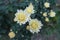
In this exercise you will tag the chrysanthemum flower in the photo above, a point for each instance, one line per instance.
(11, 34)
(47, 5)
(30, 9)
(47, 19)
(21, 17)
(34, 26)
(52, 13)
(45, 14)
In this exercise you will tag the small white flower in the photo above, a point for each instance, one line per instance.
(45, 14)
(52, 13)
(47, 19)
(11, 34)
(47, 5)
(34, 26)
(21, 17)
(30, 9)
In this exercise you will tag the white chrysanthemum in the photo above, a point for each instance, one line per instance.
(34, 26)
(21, 17)
(46, 4)
(30, 9)
(45, 14)
(11, 34)
(47, 19)
(52, 13)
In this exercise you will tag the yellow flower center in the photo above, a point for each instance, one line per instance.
(29, 10)
(34, 25)
(21, 17)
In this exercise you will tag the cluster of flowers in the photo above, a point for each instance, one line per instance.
(23, 16)
(50, 14)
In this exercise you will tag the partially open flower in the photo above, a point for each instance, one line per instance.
(52, 13)
(47, 5)
(47, 19)
(11, 34)
(28, 27)
(45, 14)
(30, 9)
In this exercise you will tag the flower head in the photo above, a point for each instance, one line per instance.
(47, 5)
(47, 19)
(34, 26)
(52, 13)
(11, 34)
(21, 17)
(45, 14)
(30, 9)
